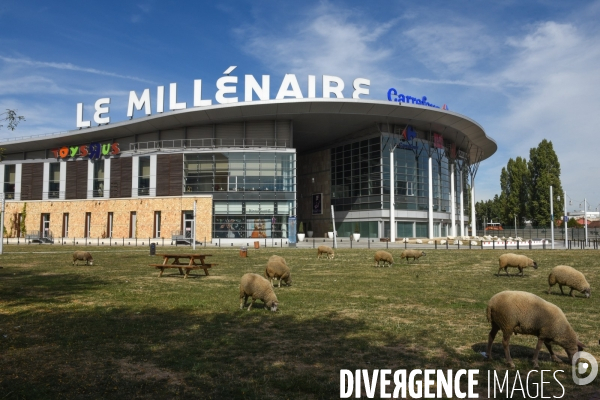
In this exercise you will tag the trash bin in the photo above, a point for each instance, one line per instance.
(243, 252)
(256, 245)
(152, 249)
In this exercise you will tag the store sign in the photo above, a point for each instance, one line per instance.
(227, 87)
(93, 151)
(393, 95)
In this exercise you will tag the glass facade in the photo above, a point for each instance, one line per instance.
(356, 175)
(254, 192)
(144, 176)
(99, 178)
(9, 181)
(360, 180)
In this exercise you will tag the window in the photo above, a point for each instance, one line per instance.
(88, 223)
(54, 181)
(109, 225)
(144, 176)
(156, 224)
(65, 229)
(99, 178)
(132, 224)
(9, 181)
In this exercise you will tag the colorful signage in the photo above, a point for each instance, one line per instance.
(438, 141)
(93, 151)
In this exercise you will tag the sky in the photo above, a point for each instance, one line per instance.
(524, 70)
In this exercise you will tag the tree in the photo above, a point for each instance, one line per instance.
(514, 183)
(12, 118)
(544, 170)
(572, 223)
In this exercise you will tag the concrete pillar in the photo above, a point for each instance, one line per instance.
(462, 207)
(430, 213)
(452, 201)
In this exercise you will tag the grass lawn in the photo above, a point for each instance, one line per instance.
(116, 331)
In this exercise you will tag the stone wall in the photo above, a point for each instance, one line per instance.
(170, 208)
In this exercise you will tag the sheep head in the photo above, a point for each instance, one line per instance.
(587, 292)
(273, 305)
(534, 264)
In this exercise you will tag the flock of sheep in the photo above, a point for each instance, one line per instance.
(509, 311)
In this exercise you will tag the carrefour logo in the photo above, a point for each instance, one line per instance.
(393, 95)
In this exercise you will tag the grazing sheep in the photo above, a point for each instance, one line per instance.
(515, 261)
(384, 257)
(257, 287)
(278, 269)
(527, 314)
(83, 255)
(325, 250)
(569, 276)
(414, 254)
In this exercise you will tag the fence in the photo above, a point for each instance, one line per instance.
(542, 233)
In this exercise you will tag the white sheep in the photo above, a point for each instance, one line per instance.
(84, 256)
(278, 269)
(527, 314)
(442, 241)
(257, 287)
(414, 254)
(569, 276)
(515, 261)
(383, 257)
(325, 250)
(419, 241)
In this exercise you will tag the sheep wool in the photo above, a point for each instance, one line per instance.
(527, 314)
(278, 269)
(325, 250)
(383, 257)
(515, 261)
(569, 276)
(84, 256)
(414, 254)
(257, 287)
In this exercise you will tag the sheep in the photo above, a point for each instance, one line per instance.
(414, 254)
(325, 250)
(515, 261)
(278, 269)
(83, 255)
(527, 314)
(569, 276)
(257, 287)
(384, 257)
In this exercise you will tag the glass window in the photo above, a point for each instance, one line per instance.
(53, 180)
(99, 178)
(9, 181)
(143, 176)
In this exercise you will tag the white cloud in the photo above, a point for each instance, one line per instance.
(69, 67)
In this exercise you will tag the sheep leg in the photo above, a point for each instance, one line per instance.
(279, 282)
(251, 303)
(549, 289)
(561, 290)
(521, 271)
(537, 352)
(491, 338)
(571, 293)
(552, 355)
(505, 342)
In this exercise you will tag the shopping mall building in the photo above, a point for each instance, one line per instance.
(248, 167)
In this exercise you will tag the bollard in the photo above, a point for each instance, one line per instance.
(518, 241)
(469, 244)
(387, 243)
(529, 244)
(435, 242)
(504, 244)
(458, 241)
(152, 249)
(447, 244)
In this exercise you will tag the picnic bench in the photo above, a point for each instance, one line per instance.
(196, 261)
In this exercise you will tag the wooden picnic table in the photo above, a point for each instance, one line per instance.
(188, 266)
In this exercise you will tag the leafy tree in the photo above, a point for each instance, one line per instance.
(514, 183)
(12, 118)
(572, 223)
(544, 170)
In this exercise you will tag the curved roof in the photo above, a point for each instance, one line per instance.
(317, 123)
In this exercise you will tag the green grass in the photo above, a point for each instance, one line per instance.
(116, 331)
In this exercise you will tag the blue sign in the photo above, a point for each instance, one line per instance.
(292, 230)
(393, 95)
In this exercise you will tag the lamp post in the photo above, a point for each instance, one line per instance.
(585, 220)
(551, 218)
(392, 200)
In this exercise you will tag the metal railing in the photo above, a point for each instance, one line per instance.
(208, 143)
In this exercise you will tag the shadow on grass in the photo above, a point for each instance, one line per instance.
(152, 353)
(27, 287)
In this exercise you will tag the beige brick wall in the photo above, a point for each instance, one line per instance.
(170, 208)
